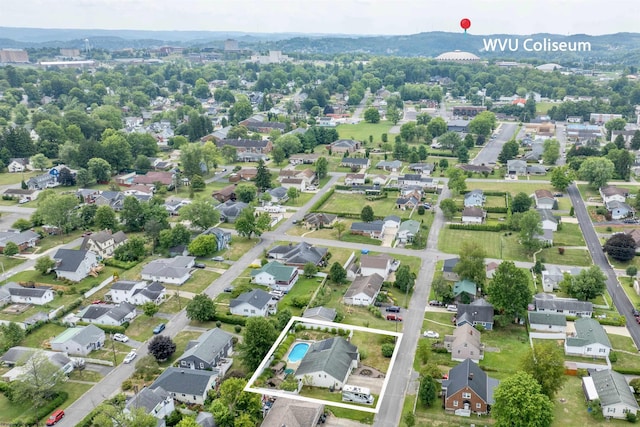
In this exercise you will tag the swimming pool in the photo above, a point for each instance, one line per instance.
(298, 351)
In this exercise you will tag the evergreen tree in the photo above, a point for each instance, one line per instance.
(263, 177)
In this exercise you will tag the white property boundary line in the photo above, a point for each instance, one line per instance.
(278, 393)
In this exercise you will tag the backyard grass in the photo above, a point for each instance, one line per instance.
(181, 340)
(238, 247)
(577, 257)
(86, 284)
(352, 414)
(627, 286)
(371, 344)
(9, 262)
(568, 235)
(362, 130)
(622, 265)
(37, 338)
(141, 328)
(513, 344)
(86, 375)
(495, 202)
(514, 187)
(198, 282)
(50, 241)
(496, 244)
(173, 304)
(301, 200)
(353, 203)
(304, 288)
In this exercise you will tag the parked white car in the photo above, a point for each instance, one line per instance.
(431, 334)
(453, 308)
(132, 355)
(120, 337)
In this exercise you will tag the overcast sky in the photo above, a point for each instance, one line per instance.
(330, 16)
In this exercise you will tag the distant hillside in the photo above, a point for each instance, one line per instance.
(622, 48)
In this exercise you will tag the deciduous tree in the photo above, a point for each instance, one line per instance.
(509, 290)
(597, 171)
(259, 336)
(44, 264)
(562, 177)
(161, 347)
(519, 402)
(471, 265)
(39, 381)
(530, 228)
(550, 151)
(201, 308)
(448, 208)
(321, 167)
(588, 284)
(428, 392)
(201, 214)
(405, 279)
(105, 218)
(521, 203)
(545, 363)
(246, 192)
(366, 214)
(203, 245)
(621, 247)
(371, 115)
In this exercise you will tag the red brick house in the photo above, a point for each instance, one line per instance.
(227, 193)
(468, 390)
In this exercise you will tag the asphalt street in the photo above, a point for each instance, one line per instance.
(492, 148)
(620, 300)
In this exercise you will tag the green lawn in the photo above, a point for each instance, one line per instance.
(50, 241)
(568, 235)
(173, 304)
(37, 338)
(199, 281)
(301, 200)
(239, 246)
(514, 187)
(7, 178)
(141, 328)
(577, 257)
(362, 130)
(304, 288)
(495, 202)
(86, 284)
(451, 242)
(324, 394)
(353, 203)
(513, 343)
(9, 262)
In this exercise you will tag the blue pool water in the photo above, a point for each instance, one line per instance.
(298, 351)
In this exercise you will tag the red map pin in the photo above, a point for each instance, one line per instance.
(465, 24)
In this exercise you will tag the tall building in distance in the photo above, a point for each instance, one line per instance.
(231, 45)
(274, 57)
(14, 56)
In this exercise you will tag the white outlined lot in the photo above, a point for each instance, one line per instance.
(280, 393)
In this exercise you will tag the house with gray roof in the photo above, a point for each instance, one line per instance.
(468, 389)
(175, 270)
(79, 340)
(389, 165)
(373, 229)
(473, 215)
(363, 290)
(40, 182)
(74, 264)
(549, 303)
(23, 239)
(613, 391)
(320, 313)
(253, 303)
(328, 363)
(609, 193)
(298, 255)
(553, 275)
(107, 314)
(359, 162)
(619, 210)
(18, 358)
(422, 168)
(15, 293)
(278, 194)
(516, 167)
(103, 243)
(187, 385)
(230, 210)
(157, 402)
(547, 322)
(223, 237)
(277, 276)
(319, 220)
(448, 269)
(536, 170)
(293, 413)
(408, 230)
(474, 198)
(344, 146)
(479, 312)
(207, 351)
(548, 220)
(136, 292)
(465, 343)
(590, 339)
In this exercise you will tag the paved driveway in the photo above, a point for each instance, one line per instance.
(373, 384)
(389, 234)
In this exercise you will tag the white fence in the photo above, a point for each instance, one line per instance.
(104, 283)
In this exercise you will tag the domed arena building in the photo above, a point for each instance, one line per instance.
(457, 56)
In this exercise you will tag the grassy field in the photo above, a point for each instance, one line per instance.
(353, 203)
(362, 130)
(568, 235)
(304, 288)
(577, 257)
(514, 187)
(495, 244)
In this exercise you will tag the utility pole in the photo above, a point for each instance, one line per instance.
(113, 347)
(177, 294)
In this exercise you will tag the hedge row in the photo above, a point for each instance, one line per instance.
(125, 265)
(616, 321)
(321, 201)
(230, 319)
(627, 371)
(488, 193)
(69, 308)
(108, 328)
(282, 349)
(479, 227)
(32, 419)
(496, 209)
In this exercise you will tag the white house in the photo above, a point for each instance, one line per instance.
(547, 322)
(363, 290)
(106, 314)
(474, 198)
(156, 402)
(136, 293)
(277, 276)
(590, 339)
(187, 385)
(547, 220)
(612, 193)
(74, 265)
(13, 292)
(354, 179)
(544, 199)
(613, 392)
(473, 215)
(328, 363)
(79, 341)
(175, 270)
(254, 303)
(18, 165)
(103, 243)
(376, 264)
